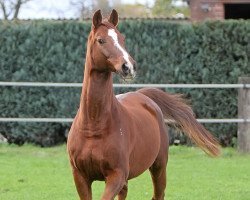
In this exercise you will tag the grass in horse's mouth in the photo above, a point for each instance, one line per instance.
(126, 79)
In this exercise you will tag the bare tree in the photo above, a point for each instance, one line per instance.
(85, 8)
(104, 5)
(11, 8)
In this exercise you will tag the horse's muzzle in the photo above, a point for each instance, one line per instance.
(128, 70)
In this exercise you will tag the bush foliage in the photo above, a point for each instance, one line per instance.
(166, 52)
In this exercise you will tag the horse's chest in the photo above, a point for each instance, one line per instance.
(94, 159)
(89, 161)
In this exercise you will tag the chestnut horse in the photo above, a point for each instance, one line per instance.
(116, 138)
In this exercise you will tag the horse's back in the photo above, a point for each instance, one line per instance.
(133, 100)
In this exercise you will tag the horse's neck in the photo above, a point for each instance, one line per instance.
(97, 99)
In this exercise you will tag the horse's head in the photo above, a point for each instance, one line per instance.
(108, 46)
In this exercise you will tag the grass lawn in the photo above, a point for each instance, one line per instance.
(28, 173)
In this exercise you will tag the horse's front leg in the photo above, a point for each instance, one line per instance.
(114, 183)
(83, 186)
(123, 193)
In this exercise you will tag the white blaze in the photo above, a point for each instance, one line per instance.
(113, 35)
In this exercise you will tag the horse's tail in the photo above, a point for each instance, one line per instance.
(175, 109)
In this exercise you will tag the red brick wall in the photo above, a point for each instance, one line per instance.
(215, 9)
(201, 10)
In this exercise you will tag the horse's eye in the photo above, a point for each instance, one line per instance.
(100, 41)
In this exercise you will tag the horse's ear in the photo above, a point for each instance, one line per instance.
(113, 18)
(97, 19)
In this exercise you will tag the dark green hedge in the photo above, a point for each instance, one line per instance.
(211, 52)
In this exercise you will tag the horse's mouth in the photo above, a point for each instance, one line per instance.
(126, 77)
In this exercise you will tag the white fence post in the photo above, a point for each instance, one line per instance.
(244, 113)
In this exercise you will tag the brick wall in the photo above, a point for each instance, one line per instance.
(210, 9)
(201, 10)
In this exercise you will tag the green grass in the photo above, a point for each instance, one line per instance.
(29, 173)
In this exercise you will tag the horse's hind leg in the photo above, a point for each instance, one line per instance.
(158, 169)
(158, 174)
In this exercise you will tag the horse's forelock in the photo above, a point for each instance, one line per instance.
(105, 23)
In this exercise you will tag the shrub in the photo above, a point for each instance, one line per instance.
(166, 52)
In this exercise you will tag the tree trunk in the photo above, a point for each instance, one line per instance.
(17, 8)
(5, 14)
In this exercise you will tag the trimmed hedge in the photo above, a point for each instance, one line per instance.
(166, 52)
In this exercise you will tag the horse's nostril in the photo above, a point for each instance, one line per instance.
(125, 68)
